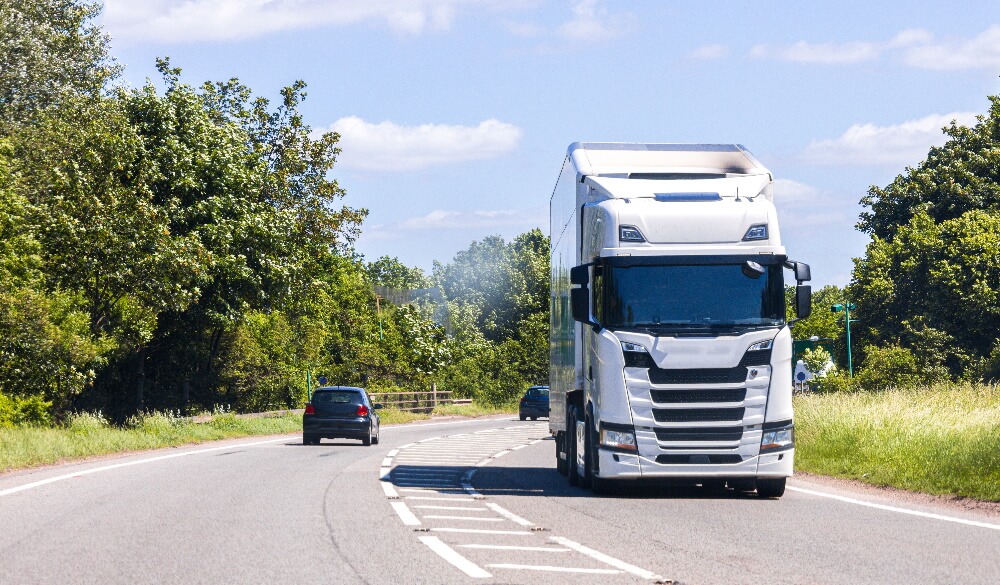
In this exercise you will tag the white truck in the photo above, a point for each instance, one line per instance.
(670, 351)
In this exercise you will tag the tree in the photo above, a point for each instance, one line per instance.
(960, 176)
(49, 50)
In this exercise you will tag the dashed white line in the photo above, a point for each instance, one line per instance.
(440, 499)
(470, 518)
(898, 510)
(451, 555)
(408, 518)
(553, 549)
(482, 531)
(607, 560)
(554, 569)
(390, 491)
(509, 515)
(432, 507)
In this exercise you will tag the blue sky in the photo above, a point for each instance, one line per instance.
(455, 114)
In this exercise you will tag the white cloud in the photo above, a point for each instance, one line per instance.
(224, 20)
(825, 53)
(450, 220)
(791, 191)
(901, 144)
(391, 147)
(709, 52)
(916, 48)
(590, 23)
(979, 52)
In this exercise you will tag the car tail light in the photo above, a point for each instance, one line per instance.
(523, 398)
(310, 409)
(362, 410)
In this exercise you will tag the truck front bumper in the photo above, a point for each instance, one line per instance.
(626, 466)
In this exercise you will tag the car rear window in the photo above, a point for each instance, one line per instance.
(336, 397)
(538, 392)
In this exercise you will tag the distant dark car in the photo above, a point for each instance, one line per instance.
(340, 412)
(534, 403)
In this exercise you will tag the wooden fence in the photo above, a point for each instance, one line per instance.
(417, 401)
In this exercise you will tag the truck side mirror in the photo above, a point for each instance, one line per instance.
(802, 272)
(579, 275)
(803, 300)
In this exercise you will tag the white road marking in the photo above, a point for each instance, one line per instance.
(384, 472)
(408, 518)
(472, 518)
(554, 569)
(607, 560)
(390, 491)
(449, 554)
(440, 499)
(392, 453)
(92, 470)
(454, 490)
(509, 515)
(387, 461)
(482, 531)
(432, 507)
(898, 510)
(512, 547)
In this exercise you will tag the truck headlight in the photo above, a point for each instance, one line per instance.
(778, 439)
(636, 356)
(618, 439)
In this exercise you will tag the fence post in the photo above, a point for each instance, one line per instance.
(434, 391)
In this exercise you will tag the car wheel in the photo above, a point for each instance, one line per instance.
(375, 438)
(308, 440)
(521, 416)
(572, 477)
(367, 439)
(771, 487)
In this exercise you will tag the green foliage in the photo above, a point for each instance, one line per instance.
(929, 282)
(391, 273)
(49, 50)
(816, 360)
(939, 439)
(23, 411)
(889, 367)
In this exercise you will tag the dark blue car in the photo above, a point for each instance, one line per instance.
(340, 412)
(534, 403)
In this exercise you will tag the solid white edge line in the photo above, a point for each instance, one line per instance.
(390, 492)
(509, 515)
(554, 569)
(408, 518)
(449, 554)
(898, 510)
(512, 547)
(607, 560)
(66, 476)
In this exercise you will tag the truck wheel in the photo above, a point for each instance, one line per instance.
(589, 453)
(560, 450)
(599, 485)
(572, 477)
(742, 484)
(771, 487)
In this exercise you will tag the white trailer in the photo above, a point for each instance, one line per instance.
(670, 351)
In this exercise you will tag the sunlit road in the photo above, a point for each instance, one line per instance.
(453, 502)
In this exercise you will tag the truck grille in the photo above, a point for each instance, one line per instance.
(700, 434)
(734, 375)
(698, 414)
(676, 396)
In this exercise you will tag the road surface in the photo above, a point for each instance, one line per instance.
(462, 501)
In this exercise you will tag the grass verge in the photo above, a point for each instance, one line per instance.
(89, 435)
(940, 440)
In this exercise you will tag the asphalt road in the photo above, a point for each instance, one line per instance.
(455, 502)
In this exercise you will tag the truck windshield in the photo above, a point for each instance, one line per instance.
(685, 298)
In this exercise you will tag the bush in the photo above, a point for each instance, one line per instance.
(85, 423)
(29, 411)
(154, 422)
(835, 381)
(889, 367)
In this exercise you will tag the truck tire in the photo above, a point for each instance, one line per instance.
(589, 453)
(771, 487)
(572, 477)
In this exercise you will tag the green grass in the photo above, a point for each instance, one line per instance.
(939, 440)
(89, 435)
